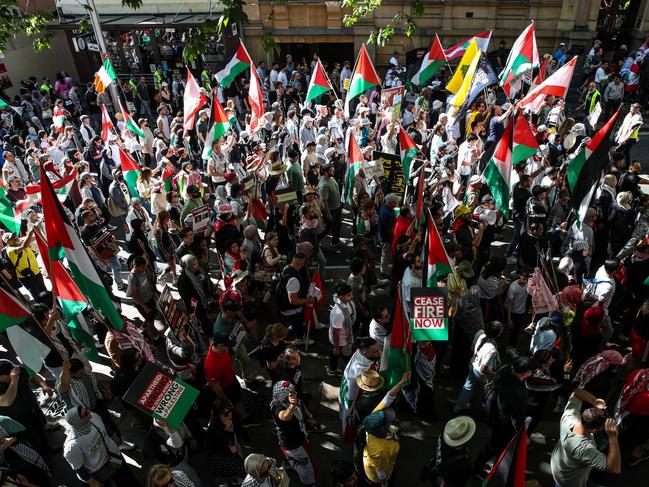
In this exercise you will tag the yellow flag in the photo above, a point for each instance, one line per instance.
(472, 52)
(460, 97)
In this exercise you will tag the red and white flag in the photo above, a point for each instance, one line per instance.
(555, 85)
(256, 100)
(193, 100)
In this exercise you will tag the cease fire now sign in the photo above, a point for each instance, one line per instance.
(429, 314)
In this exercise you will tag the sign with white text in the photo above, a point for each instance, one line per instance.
(429, 314)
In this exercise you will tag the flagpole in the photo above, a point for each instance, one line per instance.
(328, 80)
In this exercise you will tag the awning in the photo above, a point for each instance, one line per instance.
(135, 21)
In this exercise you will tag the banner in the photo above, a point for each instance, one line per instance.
(595, 114)
(429, 314)
(160, 395)
(284, 196)
(373, 169)
(201, 219)
(391, 164)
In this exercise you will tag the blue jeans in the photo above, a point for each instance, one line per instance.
(513, 245)
(115, 266)
(474, 382)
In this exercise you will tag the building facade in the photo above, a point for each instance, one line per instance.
(306, 27)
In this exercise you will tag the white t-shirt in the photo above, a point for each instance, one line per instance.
(486, 355)
(378, 332)
(88, 451)
(292, 287)
(338, 321)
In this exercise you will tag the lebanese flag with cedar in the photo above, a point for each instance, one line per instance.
(193, 100)
(557, 85)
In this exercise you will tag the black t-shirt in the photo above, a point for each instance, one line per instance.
(456, 466)
(464, 238)
(289, 433)
(520, 196)
(629, 182)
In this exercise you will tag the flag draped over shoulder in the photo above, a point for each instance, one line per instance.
(400, 343)
(432, 61)
(237, 65)
(585, 170)
(63, 241)
(498, 171)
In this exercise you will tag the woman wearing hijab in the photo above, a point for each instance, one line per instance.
(196, 289)
(382, 448)
(139, 243)
(91, 453)
(291, 430)
(263, 472)
(161, 475)
(19, 455)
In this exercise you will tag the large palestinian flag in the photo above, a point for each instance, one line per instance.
(525, 144)
(432, 61)
(363, 78)
(12, 311)
(63, 241)
(408, 150)
(523, 58)
(237, 65)
(499, 169)
(438, 263)
(400, 343)
(355, 163)
(220, 126)
(319, 83)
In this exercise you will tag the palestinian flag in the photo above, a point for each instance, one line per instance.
(7, 213)
(29, 349)
(64, 288)
(33, 192)
(456, 51)
(168, 177)
(355, 163)
(523, 58)
(499, 169)
(12, 311)
(525, 144)
(255, 100)
(220, 126)
(432, 61)
(438, 264)
(319, 83)
(129, 122)
(408, 152)
(63, 241)
(557, 85)
(5, 104)
(400, 343)
(107, 128)
(105, 76)
(237, 65)
(193, 100)
(585, 170)
(130, 169)
(363, 78)
(509, 470)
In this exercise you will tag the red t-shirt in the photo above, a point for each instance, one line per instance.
(638, 345)
(640, 402)
(218, 368)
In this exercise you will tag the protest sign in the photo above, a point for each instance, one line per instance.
(168, 306)
(393, 172)
(285, 195)
(391, 98)
(373, 169)
(248, 182)
(201, 217)
(595, 114)
(156, 393)
(429, 314)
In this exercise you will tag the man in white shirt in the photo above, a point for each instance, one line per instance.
(87, 132)
(601, 76)
(282, 77)
(411, 278)
(467, 156)
(274, 73)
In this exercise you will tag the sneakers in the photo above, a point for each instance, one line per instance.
(127, 446)
(333, 372)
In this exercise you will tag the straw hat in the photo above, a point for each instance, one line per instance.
(277, 168)
(459, 431)
(309, 190)
(370, 381)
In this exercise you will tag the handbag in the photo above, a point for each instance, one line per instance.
(114, 209)
(113, 464)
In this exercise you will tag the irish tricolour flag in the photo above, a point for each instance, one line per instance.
(319, 83)
(63, 242)
(430, 64)
(499, 169)
(355, 163)
(237, 65)
(220, 125)
(105, 76)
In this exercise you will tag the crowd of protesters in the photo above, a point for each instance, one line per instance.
(555, 325)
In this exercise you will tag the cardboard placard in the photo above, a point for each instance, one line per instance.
(373, 169)
(201, 219)
(346, 83)
(429, 314)
(248, 182)
(285, 195)
(393, 171)
(156, 393)
(392, 97)
(168, 306)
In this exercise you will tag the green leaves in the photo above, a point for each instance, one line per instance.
(132, 4)
(23, 22)
(403, 19)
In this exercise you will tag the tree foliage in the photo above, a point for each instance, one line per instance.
(34, 24)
